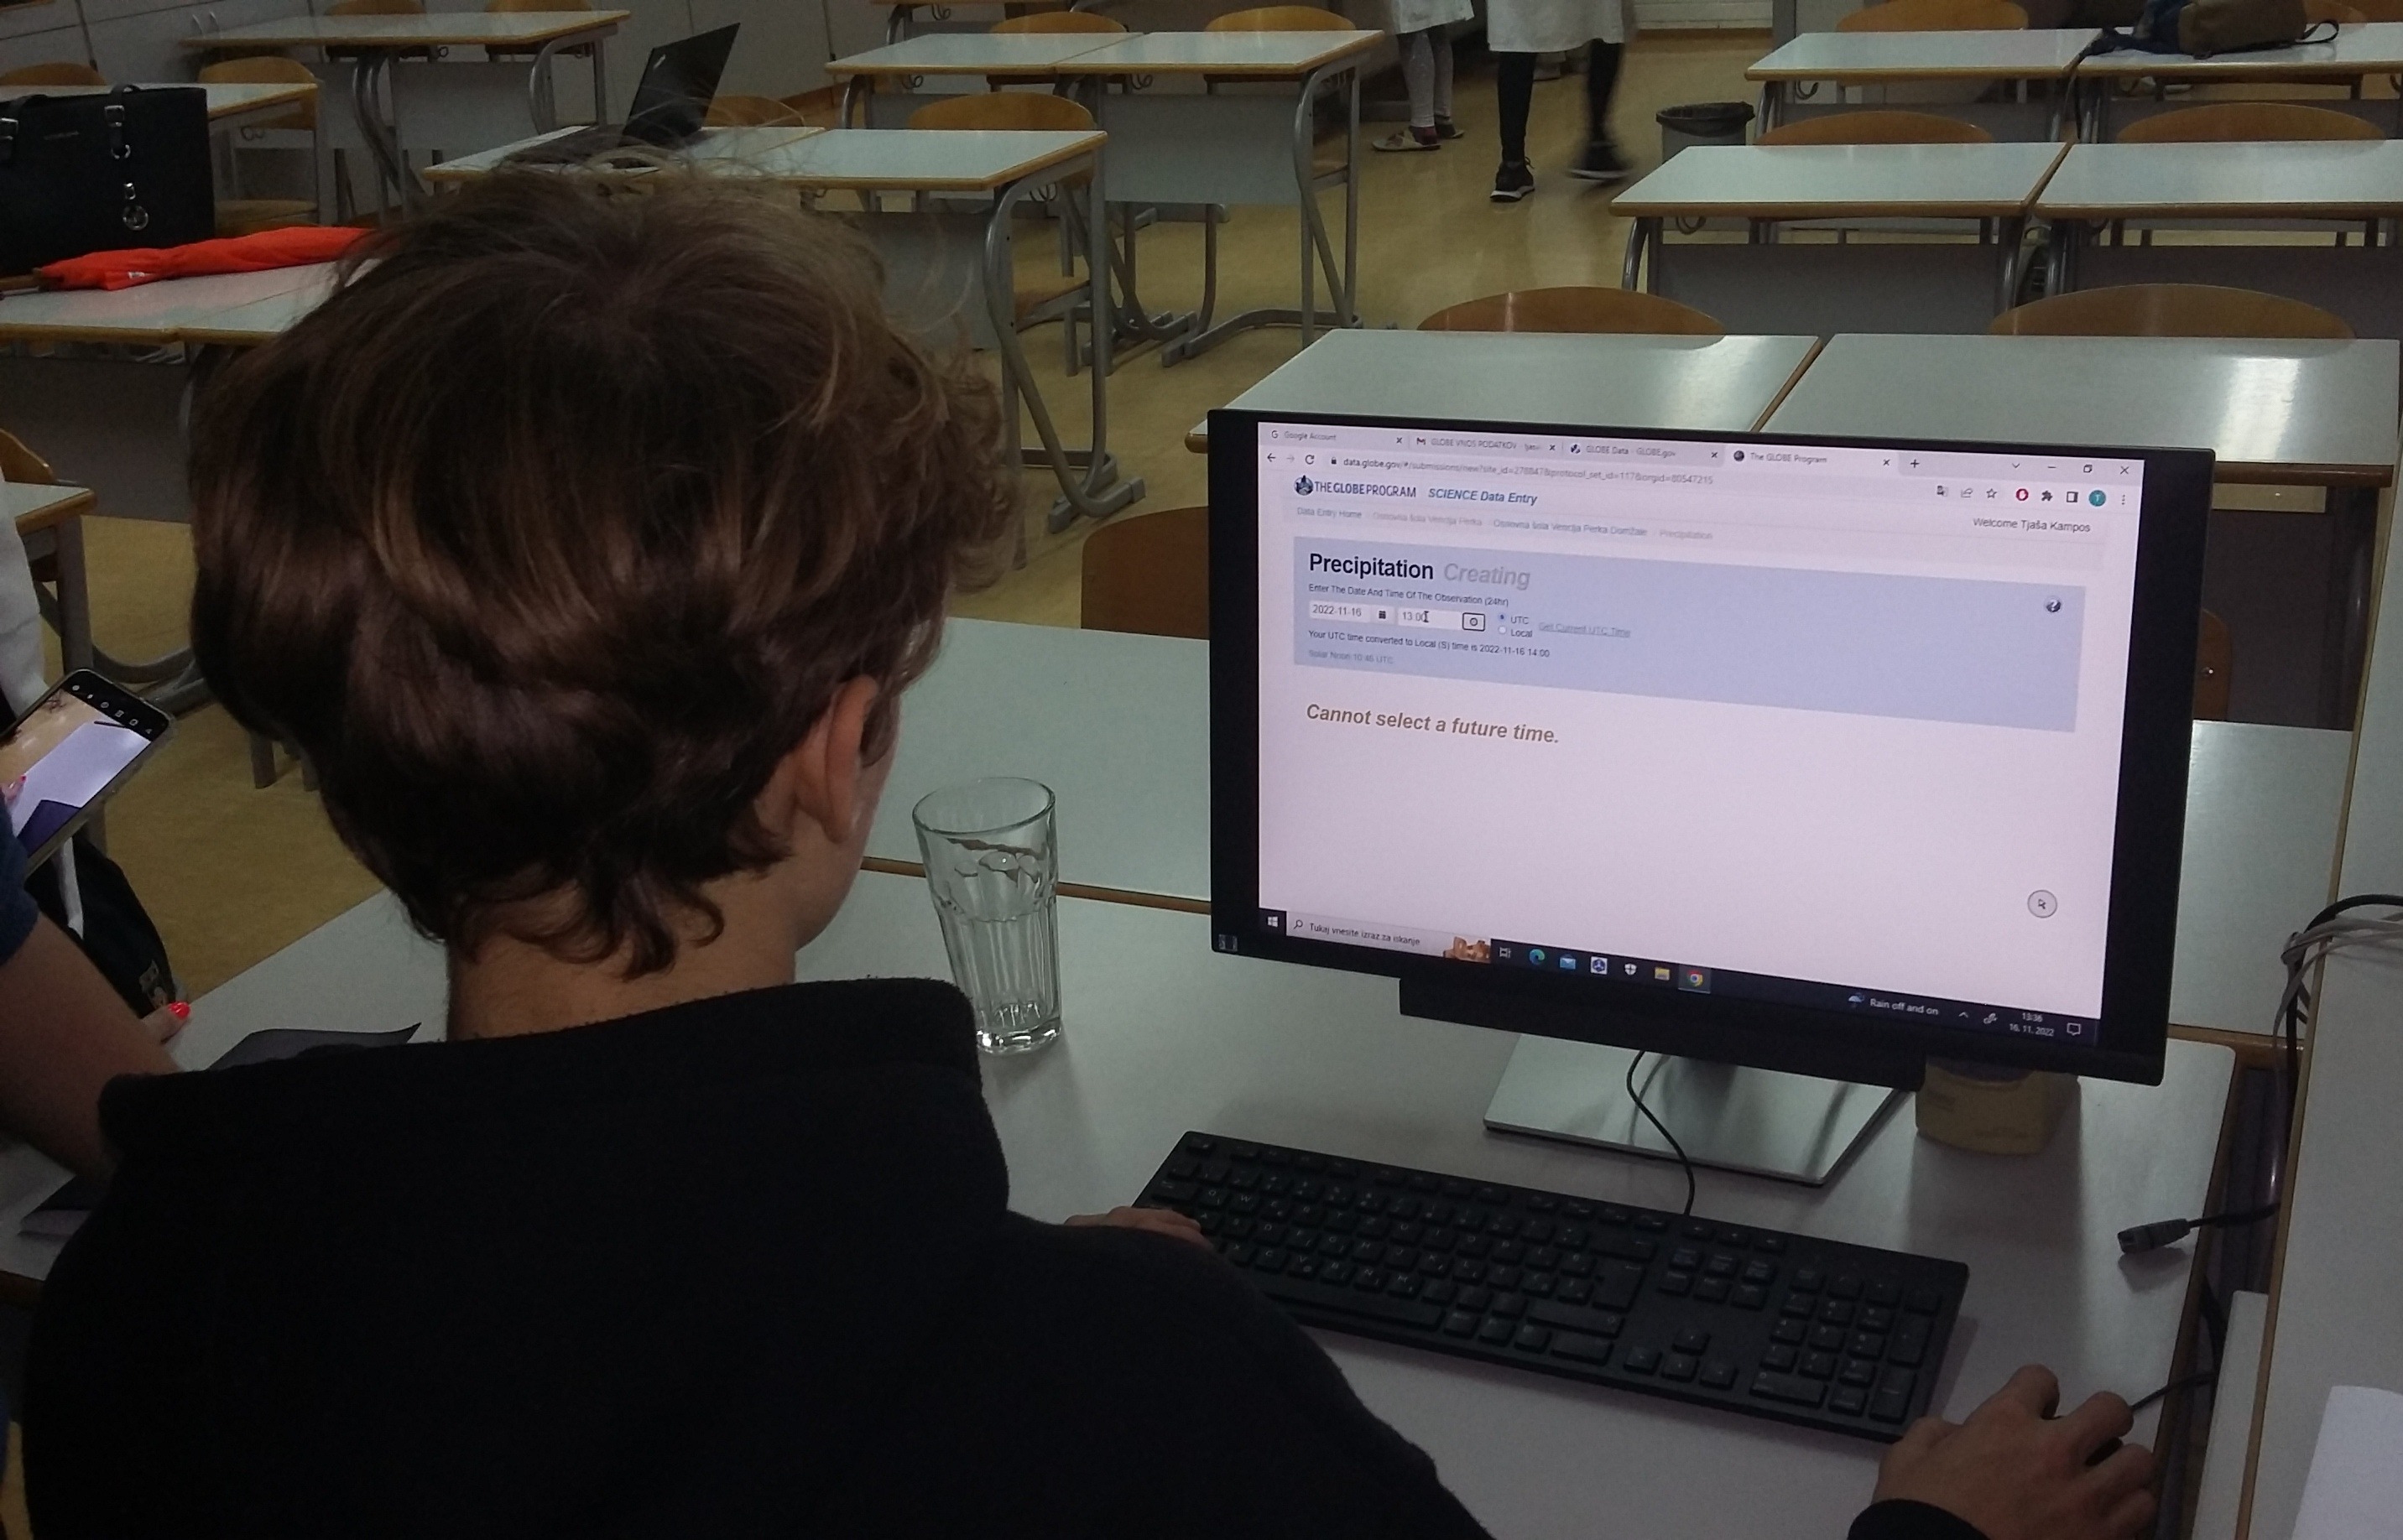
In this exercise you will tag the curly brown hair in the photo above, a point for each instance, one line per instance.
(554, 529)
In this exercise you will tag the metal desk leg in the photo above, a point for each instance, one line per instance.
(2061, 255)
(1645, 232)
(896, 24)
(2011, 236)
(1078, 495)
(2353, 554)
(74, 595)
(367, 71)
(1772, 104)
(1348, 311)
(542, 101)
(600, 80)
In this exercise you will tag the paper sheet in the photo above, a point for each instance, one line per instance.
(86, 760)
(2355, 1490)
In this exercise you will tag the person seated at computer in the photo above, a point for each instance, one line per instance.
(585, 544)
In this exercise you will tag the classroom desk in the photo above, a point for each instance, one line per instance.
(1212, 146)
(2307, 413)
(50, 520)
(2356, 54)
(482, 106)
(2334, 1293)
(901, 14)
(2348, 185)
(231, 106)
(1768, 287)
(146, 313)
(929, 252)
(1119, 726)
(1163, 1036)
(878, 85)
(1853, 61)
(1625, 380)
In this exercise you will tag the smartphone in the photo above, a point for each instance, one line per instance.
(62, 759)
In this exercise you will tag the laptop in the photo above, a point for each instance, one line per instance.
(679, 81)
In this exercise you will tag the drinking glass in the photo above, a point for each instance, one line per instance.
(992, 868)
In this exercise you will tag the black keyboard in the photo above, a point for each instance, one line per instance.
(1791, 1327)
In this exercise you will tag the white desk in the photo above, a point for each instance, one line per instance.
(2350, 185)
(146, 313)
(2309, 414)
(877, 85)
(1209, 147)
(1851, 61)
(485, 103)
(231, 105)
(1163, 1036)
(1629, 381)
(2353, 56)
(2337, 1291)
(1117, 726)
(1768, 287)
(931, 254)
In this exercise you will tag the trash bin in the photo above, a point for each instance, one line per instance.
(1703, 123)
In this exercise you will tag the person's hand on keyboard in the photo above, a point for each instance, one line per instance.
(1166, 1222)
(2017, 1472)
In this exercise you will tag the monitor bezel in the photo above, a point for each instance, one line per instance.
(2147, 844)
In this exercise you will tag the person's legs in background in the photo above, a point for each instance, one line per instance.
(1427, 73)
(1514, 92)
(1601, 160)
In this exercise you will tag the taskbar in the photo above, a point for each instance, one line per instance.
(1652, 973)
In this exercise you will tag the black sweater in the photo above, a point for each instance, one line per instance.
(741, 1267)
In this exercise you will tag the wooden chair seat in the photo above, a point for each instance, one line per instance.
(2246, 122)
(1575, 309)
(1936, 16)
(1282, 18)
(59, 74)
(1879, 127)
(2168, 309)
(1149, 574)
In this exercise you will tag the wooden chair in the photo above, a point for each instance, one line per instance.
(1059, 20)
(1149, 574)
(2239, 122)
(1577, 309)
(2168, 309)
(376, 7)
(1878, 128)
(751, 112)
(1936, 16)
(2215, 667)
(1287, 19)
(2334, 10)
(820, 108)
(63, 72)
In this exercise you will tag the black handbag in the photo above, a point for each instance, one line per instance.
(127, 168)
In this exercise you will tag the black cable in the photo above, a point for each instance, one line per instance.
(2298, 1002)
(2182, 1382)
(1637, 1097)
(2164, 1232)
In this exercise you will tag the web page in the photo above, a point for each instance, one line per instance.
(1835, 725)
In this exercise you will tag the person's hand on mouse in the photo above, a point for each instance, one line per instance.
(2017, 1472)
(1166, 1222)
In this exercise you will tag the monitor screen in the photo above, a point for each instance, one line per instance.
(1819, 738)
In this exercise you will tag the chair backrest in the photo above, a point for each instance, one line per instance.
(2379, 10)
(1589, 309)
(1060, 21)
(2168, 309)
(60, 74)
(1878, 128)
(2214, 666)
(1280, 19)
(376, 7)
(2228, 122)
(2334, 10)
(1149, 574)
(500, 6)
(1003, 109)
(20, 464)
(751, 112)
(820, 108)
(1936, 16)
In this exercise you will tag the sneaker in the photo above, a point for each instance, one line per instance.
(1410, 138)
(1514, 181)
(1599, 163)
(1446, 128)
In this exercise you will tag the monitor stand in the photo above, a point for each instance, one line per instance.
(1796, 1127)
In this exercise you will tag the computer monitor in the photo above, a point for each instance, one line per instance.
(1812, 756)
